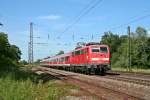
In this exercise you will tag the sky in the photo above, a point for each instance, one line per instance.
(51, 17)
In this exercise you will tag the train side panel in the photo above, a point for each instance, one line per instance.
(93, 58)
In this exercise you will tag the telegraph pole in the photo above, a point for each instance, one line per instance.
(30, 47)
(129, 47)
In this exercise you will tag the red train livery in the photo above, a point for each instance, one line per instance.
(92, 58)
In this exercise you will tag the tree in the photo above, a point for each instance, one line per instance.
(142, 46)
(141, 32)
(140, 50)
(9, 54)
(60, 52)
(80, 44)
(14, 52)
(148, 52)
(112, 40)
(24, 62)
(37, 61)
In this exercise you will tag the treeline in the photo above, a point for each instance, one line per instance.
(9, 54)
(119, 48)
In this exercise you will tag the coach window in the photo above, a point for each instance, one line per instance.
(77, 52)
(82, 52)
(62, 59)
(66, 58)
(73, 53)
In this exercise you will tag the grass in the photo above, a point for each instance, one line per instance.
(19, 85)
(137, 70)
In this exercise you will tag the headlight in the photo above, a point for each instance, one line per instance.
(105, 59)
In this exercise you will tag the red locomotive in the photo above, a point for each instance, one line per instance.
(93, 57)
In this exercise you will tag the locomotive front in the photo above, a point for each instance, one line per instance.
(99, 58)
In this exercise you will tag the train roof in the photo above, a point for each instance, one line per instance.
(62, 55)
(80, 48)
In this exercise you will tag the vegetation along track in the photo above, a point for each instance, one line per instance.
(102, 87)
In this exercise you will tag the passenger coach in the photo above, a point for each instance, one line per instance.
(92, 58)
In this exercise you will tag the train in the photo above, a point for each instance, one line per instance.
(88, 59)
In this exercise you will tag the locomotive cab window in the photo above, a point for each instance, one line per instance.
(95, 50)
(103, 49)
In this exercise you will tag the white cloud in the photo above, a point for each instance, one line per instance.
(49, 17)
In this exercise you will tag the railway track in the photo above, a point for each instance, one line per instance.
(128, 77)
(131, 73)
(96, 84)
(134, 80)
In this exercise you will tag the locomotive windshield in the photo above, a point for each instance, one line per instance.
(100, 50)
(95, 50)
(103, 49)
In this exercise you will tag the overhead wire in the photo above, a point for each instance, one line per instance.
(91, 5)
(85, 11)
(131, 22)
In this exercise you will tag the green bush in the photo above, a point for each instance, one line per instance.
(20, 85)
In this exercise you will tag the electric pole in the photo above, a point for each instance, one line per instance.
(29, 52)
(30, 47)
(129, 47)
